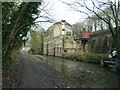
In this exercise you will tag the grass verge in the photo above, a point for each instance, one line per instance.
(35, 57)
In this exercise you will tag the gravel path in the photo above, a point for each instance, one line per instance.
(35, 74)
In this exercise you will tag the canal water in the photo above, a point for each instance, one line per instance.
(85, 75)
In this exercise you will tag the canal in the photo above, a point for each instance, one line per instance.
(85, 75)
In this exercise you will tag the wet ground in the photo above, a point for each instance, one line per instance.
(31, 73)
(84, 74)
(55, 72)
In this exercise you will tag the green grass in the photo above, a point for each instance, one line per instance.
(35, 57)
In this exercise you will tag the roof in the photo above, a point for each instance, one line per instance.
(60, 22)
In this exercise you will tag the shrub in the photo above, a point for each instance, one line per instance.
(10, 59)
(87, 57)
(91, 57)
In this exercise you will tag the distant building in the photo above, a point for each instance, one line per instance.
(58, 39)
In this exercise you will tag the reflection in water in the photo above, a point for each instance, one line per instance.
(84, 74)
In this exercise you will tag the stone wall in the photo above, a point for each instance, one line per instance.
(100, 42)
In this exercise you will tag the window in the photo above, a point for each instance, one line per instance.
(63, 29)
(68, 33)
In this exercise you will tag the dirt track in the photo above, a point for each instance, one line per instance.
(35, 74)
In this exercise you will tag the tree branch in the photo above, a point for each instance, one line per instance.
(12, 35)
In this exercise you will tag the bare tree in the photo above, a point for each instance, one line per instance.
(105, 10)
(45, 13)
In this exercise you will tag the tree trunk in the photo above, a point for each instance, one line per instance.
(84, 44)
(13, 32)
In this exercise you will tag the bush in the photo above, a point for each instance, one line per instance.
(7, 61)
(87, 57)
(91, 57)
(72, 55)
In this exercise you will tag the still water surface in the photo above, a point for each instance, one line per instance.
(86, 75)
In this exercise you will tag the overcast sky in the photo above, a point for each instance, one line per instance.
(60, 11)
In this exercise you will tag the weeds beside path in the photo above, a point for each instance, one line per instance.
(11, 76)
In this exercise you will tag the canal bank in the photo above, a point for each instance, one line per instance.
(85, 74)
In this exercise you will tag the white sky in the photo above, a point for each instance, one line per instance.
(61, 11)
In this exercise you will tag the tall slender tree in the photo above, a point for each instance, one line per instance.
(17, 20)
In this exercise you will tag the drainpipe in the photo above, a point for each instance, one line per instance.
(63, 30)
(62, 46)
